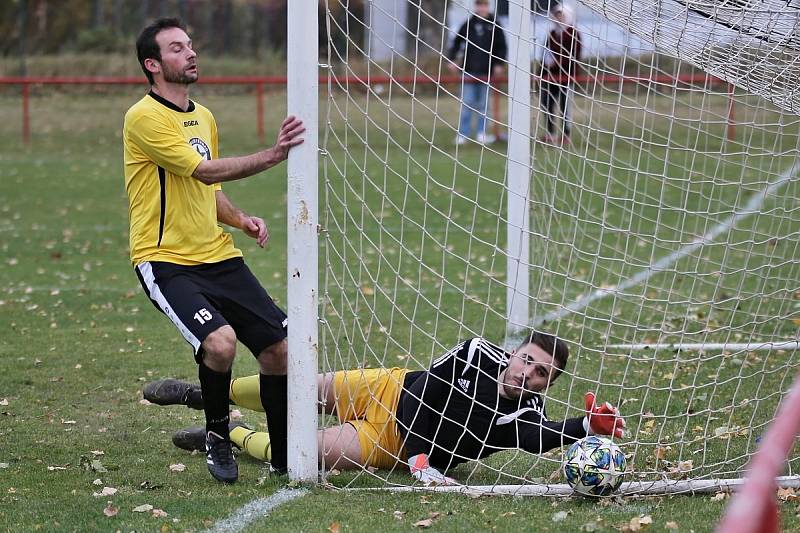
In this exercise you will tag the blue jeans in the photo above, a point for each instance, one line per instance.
(474, 100)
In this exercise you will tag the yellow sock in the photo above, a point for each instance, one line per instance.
(245, 393)
(255, 443)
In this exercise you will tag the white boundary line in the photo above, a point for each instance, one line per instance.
(753, 205)
(254, 510)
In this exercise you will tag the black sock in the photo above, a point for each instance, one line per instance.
(215, 387)
(273, 390)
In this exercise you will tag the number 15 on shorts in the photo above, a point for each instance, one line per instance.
(202, 315)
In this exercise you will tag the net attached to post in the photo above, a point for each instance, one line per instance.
(661, 227)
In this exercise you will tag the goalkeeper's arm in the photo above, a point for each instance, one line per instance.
(540, 435)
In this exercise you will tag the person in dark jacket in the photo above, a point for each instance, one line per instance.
(484, 52)
(559, 68)
(474, 400)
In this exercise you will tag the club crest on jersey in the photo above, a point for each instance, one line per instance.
(464, 384)
(200, 147)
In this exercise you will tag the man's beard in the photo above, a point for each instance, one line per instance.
(174, 76)
(516, 392)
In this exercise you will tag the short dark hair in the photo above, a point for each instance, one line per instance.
(146, 45)
(554, 346)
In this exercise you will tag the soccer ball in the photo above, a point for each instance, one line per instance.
(594, 466)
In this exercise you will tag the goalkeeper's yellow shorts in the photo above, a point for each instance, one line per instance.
(367, 399)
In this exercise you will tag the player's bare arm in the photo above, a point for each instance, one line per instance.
(229, 214)
(235, 168)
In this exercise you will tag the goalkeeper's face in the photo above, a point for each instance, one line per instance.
(529, 371)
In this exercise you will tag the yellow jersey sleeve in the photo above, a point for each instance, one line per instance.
(164, 146)
(215, 147)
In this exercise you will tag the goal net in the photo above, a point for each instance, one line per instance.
(657, 233)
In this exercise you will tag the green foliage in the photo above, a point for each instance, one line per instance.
(102, 40)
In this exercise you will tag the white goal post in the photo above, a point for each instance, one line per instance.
(641, 205)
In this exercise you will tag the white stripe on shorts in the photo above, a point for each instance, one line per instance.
(146, 270)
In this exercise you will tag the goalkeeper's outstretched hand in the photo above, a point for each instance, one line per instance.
(603, 419)
(425, 473)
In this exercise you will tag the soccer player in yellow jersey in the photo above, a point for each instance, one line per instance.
(186, 263)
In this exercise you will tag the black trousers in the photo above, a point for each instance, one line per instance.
(554, 97)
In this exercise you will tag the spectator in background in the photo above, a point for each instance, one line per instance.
(484, 53)
(559, 67)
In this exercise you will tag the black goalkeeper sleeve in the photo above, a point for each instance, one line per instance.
(543, 435)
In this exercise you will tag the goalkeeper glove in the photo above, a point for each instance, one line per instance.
(602, 419)
(423, 472)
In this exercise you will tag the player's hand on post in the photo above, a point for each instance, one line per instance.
(256, 228)
(288, 136)
(603, 419)
(423, 472)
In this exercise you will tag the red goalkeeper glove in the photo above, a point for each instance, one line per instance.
(602, 419)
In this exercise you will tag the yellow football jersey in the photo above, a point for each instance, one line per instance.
(172, 216)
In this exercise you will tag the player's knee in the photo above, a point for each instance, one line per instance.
(220, 345)
(274, 359)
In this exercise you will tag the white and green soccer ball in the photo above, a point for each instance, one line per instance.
(594, 466)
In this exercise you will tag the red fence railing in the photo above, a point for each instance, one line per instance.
(260, 82)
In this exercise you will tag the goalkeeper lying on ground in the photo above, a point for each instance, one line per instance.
(475, 400)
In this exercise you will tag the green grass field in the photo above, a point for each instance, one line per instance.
(79, 339)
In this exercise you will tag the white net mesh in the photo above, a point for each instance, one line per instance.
(663, 226)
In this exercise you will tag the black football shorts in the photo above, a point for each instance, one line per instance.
(199, 299)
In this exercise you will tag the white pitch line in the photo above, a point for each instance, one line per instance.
(254, 510)
(753, 205)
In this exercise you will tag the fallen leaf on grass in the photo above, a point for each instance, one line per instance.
(97, 481)
(143, 508)
(58, 467)
(107, 491)
(110, 510)
(4, 401)
(639, 523)
(787, 494)
(560, 516)
(399, 514)
(334, 527)
(178, 467)
(97, 466)
(3, 465)
(682, 466)
(160, 513)
(510, 513)
(424, 524)
(718, 497)
(671, 525)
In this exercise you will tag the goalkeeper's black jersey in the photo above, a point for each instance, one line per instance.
(454, 413)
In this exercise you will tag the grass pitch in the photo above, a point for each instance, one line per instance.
(79, 338)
